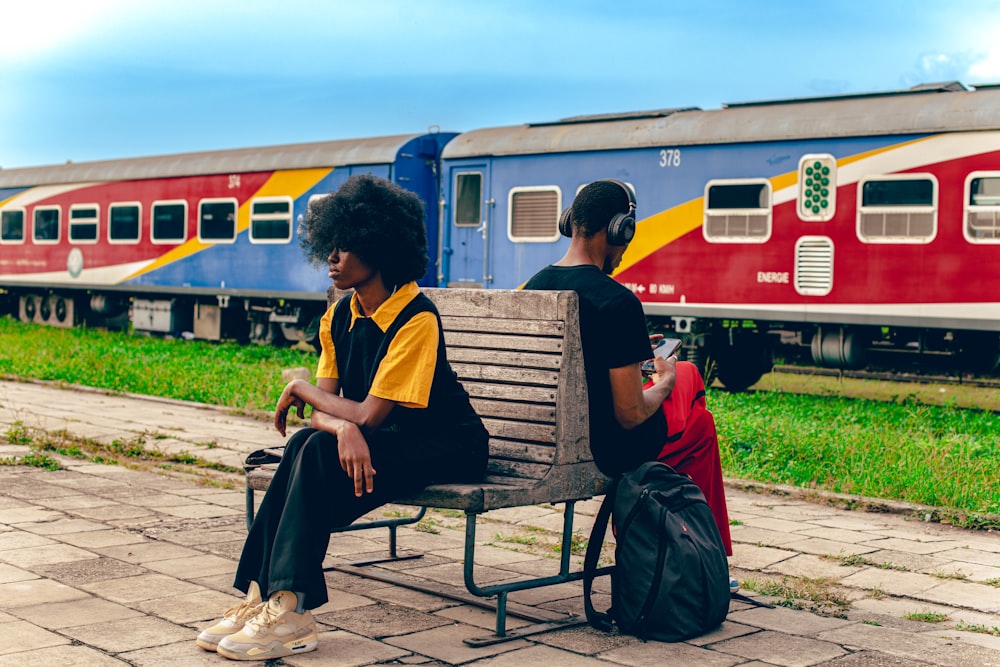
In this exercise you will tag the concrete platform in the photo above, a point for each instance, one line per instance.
(108, 565)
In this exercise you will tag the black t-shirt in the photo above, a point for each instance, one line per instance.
(613, 332)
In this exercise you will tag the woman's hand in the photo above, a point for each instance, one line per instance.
(355, 458)
(287, 401)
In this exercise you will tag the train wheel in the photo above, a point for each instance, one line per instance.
(741, 364)
(60, 309)
(263, 332)
(978, 351)
(29, 309)
(45, 309)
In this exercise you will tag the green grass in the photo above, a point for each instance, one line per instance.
(243, 377)
(934, 455)
(886, 445)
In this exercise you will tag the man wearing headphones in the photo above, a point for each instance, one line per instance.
(631, 422)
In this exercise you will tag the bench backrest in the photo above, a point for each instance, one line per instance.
(518, 354)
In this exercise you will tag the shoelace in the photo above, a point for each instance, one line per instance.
(266, 617)
(243, 611)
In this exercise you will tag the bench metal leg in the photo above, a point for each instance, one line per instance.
(544, 621)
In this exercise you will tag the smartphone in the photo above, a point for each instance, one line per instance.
(665, 348)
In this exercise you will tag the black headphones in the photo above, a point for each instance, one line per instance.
(621, 227)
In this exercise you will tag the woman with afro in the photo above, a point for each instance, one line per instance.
(388, 417)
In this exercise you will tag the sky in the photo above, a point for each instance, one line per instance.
(102, 79)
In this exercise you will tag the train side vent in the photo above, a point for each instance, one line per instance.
(814, 265)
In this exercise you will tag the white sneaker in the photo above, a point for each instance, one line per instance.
(233, 619)
(734, 585)
(275, 632)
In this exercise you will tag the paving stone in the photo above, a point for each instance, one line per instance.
(197, 607)
(890, 641)
(545, 656)
(750, 557)
(900, 583)
(177, 654)
(487, 555)
(822, 547)
(147, 552)
(47, 554)
(64, 656)
(101, 538)
(36, 591)
(381, 620)
(343, 648)
(85, 611)
(812, 567)
(130, 634)
(70, 503)
(9, 573)
(142, 587)
(23, 636)
(480, 618)
(201, 565)
(29, 514)
(89, 571)
(658, 654)
(198, 510)
(980, 556)
(781, 649)
(60, 527)
(762, 536)
(937, 547)
(446, 644)
(964, 594)
(785, 620)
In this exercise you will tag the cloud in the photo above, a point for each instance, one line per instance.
(987, 69)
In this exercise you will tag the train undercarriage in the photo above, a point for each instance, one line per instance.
(739, 352)
(212, 317)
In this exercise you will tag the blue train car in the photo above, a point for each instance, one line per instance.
(201, 242)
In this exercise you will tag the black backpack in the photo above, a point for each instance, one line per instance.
(671, 577)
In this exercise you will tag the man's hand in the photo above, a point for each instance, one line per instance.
(355, 458)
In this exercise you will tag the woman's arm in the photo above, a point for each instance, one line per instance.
(323, 397)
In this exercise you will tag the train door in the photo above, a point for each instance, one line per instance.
(468, 219)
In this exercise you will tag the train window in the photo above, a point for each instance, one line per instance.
(46, 227)
(83, 223)
(124, 222)
(169, 222)
(982, 208)
(737, 211)
(817, 187)
(468, 199)
(271, 220)
(12, 225)
(897, 209)
(534, 214)
(217, 220)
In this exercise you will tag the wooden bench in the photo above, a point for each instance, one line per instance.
(519, 355)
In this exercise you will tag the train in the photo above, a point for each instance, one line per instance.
(837, 229)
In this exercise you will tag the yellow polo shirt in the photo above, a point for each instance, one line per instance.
(406, 372)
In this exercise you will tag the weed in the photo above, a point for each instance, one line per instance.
(993, 581)
(875, 623)
(516, 539)
(859, 560)
(968, 627)
(18, 434)
(958, 575)
(927, 616)
(33, 460)
(577, 544)
(427, 525)
(801, 593)
(735, 522)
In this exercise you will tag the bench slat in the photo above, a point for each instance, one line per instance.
(522, 469)
(521, 451)
(515, 409)
(495, 338)
(518, 376)
(541, 433)
(503, 358)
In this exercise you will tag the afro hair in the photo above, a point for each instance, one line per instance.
(375, 219)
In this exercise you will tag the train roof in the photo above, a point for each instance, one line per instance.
(376, 150)
(928, 108)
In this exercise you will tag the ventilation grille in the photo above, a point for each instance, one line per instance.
(814, 266)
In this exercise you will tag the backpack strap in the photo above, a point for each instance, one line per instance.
(598, 620)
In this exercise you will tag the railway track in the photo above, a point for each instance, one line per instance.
(894, 376)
